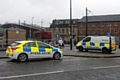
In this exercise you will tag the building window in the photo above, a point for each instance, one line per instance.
(102, 24)
(61, 22)
(81, 24)
(108, 24)
(54, 30)
(93, 32)
(88, 31)
(108, 31)
(81, 31)
(93, 24)
(59, 30)
(56, 22)
(116, 23)
(102, 31)
(66, 30)
(115, 31)
(67, 22)
(1, 36)
(62, 30)
(66, 37)
(74, 22)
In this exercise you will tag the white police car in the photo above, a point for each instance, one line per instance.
(24, 50)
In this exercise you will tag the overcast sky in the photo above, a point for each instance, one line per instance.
(47, 10)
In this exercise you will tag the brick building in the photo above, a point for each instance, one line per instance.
(100, 25)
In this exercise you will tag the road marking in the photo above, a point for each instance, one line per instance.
(27, 75)
(75, 60)
(105, 67)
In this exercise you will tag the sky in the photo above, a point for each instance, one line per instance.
(42, 12)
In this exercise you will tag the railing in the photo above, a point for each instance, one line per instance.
(4, 43)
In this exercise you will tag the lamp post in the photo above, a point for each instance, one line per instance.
(31, 26)
(110, 40)
(87, 20)
(42, 23)
(71, 25)
(86, 23)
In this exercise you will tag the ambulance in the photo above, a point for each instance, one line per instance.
(105, 44)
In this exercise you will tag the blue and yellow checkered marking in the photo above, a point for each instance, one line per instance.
(94, 44)
(26, 49)
(29, 49)
(97, 44)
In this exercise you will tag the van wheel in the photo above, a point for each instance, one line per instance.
(105, 50)
(56, 56)
(22, 57)
(81, 49)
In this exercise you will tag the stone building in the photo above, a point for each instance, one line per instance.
(61, 28)
(10, 35)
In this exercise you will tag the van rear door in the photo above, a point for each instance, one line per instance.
(113, 43)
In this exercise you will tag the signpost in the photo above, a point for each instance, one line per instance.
(109, 35)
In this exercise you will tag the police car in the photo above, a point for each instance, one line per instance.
(104, 43)
(24, 50)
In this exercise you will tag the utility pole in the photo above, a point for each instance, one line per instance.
(86, 23)
(30, 27)
(19, 22)
(71, 35)
(110, 48)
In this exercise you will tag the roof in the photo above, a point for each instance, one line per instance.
(99, 36)
(101, 18)
(20, 26)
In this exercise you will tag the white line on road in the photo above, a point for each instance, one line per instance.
(27, 75)
(105, 67)
(75, 59)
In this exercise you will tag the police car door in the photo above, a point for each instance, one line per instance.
(31, 49)
(44, 50)
(86, 43)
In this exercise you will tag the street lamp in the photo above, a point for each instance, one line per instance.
(42, 23)
(87, 20)
(70, 24)
(110, 40)
(86, 23)
(31, 26)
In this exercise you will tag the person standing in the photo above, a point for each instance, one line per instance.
(60, 42)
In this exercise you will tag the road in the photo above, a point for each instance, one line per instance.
(68, 68)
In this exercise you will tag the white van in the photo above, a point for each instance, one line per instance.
(97, 43)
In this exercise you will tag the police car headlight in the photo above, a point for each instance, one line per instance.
(77, 44)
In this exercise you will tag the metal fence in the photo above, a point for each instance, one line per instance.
(4, 43)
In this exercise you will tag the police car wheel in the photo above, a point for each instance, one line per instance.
(81, 49)
(56, 56)
(22, 57)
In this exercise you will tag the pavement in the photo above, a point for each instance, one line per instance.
(74, 52)
(90, 54)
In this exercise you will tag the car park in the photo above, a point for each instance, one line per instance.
(25, 50)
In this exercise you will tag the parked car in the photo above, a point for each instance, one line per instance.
(25, 50)
(97, 43)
